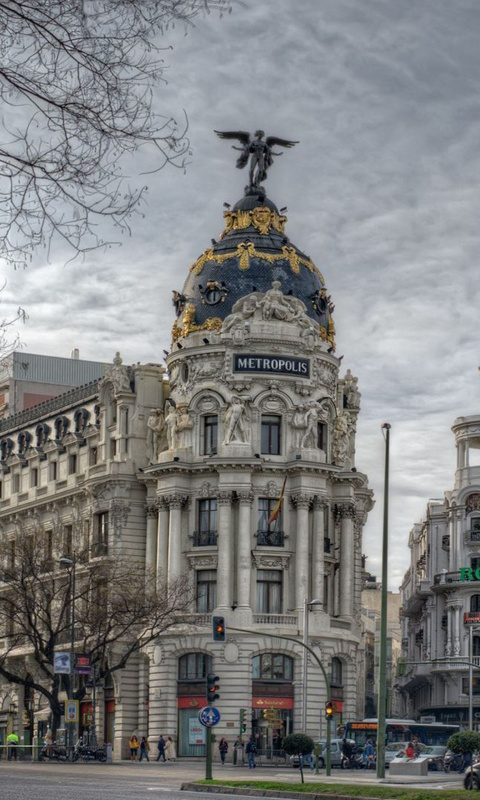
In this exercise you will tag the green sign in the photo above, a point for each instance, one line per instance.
(469, 574)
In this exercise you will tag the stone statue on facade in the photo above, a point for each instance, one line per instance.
(118, 375)
(156, 438)
(351, 393)
(269, 305)
(341, 438)
(184, 427)
(258, 150)
(171, 427)
(236, 421)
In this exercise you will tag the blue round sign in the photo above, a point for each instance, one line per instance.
(209, 716)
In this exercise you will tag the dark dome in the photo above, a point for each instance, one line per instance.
(252, 252)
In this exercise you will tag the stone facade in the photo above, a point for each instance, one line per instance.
(439, 607)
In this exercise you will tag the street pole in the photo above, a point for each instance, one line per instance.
(208, 760)
(304, 665)
(72, 654)
(382, 662)
(470, 679)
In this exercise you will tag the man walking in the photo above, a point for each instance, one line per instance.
(12, 743)
(250, 750)
(161, 749)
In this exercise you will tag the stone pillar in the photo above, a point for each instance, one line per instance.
(151, 540)
(162, 539)
(318, 550)
(225, 551)
(347, 513)
(176, 502)
(448, 647)
(244, 548)
(456, 642)
(302, 561)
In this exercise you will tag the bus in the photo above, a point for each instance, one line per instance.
(400, 730)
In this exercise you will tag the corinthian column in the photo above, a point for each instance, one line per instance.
(318, 549)
(225, 551)
(347, 558)
(302, 561)
(162, 540)
(245, 500)
(151, 540)
(175, 536)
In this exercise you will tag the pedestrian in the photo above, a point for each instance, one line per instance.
(134, 745)
(369, 755)
(144, 749)
(170, 751)
(12, 742)
(223, 747)
(410, 750)
(161, 749)
(250, 750)
(416, 746)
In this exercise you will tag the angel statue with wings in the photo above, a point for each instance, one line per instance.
(259, 149)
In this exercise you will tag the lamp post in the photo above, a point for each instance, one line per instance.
(71, 562)
(382, 662)
(306, 606)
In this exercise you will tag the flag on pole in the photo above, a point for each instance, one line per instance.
(278, 506)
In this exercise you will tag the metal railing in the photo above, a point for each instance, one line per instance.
(204, 538)
(446, 577)
(270, 538)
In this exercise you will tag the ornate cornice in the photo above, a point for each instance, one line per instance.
(302, 500)
(197, 561)
(224, 498)
(245, 497)
(270, 561)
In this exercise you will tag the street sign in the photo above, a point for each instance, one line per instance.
(209, 716)
(71, 710)
(61, 663)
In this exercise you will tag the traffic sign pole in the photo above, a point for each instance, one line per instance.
(208, 762)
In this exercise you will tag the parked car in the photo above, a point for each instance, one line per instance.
(472, 774)
(436, 755)
(335, 755)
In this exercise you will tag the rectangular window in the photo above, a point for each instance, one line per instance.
(210, 434)
(206, 590)
(93, 456)
(15, 483)
(113, 448)
(67, 543)
(34, 477)
(269, 591)
(269, 535)
(53, 470)
(72, 464)
(48, 550)
(271, 426)
(321, 436)
(207, 514)
(100, 543)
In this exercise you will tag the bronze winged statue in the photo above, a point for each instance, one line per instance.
(258, 149)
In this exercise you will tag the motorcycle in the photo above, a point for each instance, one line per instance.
(454, 762)
(87, 753)
(53, 752)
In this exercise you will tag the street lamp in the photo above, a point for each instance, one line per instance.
(306, 606)
(71, 562)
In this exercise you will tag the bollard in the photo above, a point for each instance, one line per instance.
(109, 753)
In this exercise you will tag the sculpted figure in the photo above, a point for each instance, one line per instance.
(171, 425)
(155, 434)
(236, 421)
(310, 437)
(118, 374)
(352, 395)
(184, 426)
(341, 443)
(242, 310)
(274, 305)
(258, 150)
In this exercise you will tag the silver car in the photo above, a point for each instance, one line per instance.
(335, 755)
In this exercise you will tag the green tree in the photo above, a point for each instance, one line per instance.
(464, 742)
(298, 744)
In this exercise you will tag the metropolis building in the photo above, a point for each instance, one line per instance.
(190, 476)
(440, 610)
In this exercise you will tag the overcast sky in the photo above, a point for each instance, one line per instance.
(382, 193)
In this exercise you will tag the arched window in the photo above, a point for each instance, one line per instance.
(270, 434)
(272, 667)
(336, 678)
(475, 602)
(194, 666)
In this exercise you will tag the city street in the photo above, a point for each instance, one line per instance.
(124, 781)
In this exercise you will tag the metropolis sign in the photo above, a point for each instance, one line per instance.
(284, 365)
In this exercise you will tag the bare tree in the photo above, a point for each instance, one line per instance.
(76, 79)
(118, 610)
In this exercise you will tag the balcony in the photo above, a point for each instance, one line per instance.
(415, 602)
(472, 536)
(275, 619)
(455, 663)
(270, 538)
(204, 538)
(443, 580)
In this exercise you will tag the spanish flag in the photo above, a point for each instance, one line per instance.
(278, 507)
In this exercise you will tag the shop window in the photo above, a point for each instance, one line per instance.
(270, 434)
(210, 434)
(194, 666)
(272, 667)
(206, 590)
(269, 591)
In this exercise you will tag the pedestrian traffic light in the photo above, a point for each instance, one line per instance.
(212, 688)
(243, 724)
(218, 629)
(328, 709)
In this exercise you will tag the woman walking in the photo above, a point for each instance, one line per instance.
(134, 744)
(223, 747)
(170, 751)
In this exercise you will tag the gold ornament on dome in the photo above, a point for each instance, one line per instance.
(247, 250)
(261, 217)
(189, 326)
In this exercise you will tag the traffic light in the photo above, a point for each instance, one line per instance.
(218, 629)
(212, 688)
(328, 709)
(243, 724)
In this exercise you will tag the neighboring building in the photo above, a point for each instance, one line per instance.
(441, 594)
(27, 379)
(244, 480)
(371, 608)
